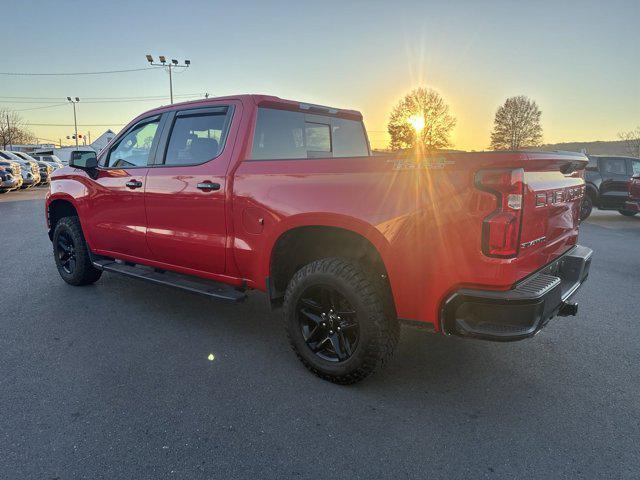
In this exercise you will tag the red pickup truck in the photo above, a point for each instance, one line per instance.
(225, 195)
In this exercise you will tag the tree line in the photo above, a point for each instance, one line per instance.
(13, 129)
(422, 119)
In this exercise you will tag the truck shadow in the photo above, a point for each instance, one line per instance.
(475, 378)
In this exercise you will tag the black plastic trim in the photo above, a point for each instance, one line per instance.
(522, 311)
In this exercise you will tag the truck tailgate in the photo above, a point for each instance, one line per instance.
(551, 213)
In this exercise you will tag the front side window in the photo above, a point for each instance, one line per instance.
(284, 134)
(134, 148)
(617, 166)
(635, 167)
(196, 138)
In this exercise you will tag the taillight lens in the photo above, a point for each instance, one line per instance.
(501, 228)
(634, 188)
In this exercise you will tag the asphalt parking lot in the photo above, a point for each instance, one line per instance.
(115, 381)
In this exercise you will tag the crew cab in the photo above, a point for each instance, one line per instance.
(608, 181)
(253, 192)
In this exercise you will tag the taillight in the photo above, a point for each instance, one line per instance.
(501, 228)
(634, 188)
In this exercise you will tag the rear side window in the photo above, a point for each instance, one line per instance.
(283, 134)
(617, 166)
(197, 137)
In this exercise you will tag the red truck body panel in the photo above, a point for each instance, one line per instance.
(423, 214)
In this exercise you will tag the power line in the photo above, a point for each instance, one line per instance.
(182, 95)
(133, 99)
(71, 125)
(105, 72)
(39, 108)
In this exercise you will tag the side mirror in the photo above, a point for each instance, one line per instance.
(636, 176)
(84, 160)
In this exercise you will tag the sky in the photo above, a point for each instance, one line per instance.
(579, 60)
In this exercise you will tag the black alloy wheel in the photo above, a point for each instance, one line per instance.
(328, 323)
(66, 253)
(71, 253)
(338, 320)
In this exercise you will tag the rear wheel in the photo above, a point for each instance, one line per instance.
(627, 213)
(586, 207)
(336, 321)
(71, 253)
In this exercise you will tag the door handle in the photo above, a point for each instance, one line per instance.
(208, 186)
(133, 184)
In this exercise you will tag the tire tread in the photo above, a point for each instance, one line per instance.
(386, 332)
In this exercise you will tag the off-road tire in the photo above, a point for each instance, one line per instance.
(84, 273)
(379, 331)
(627, 213)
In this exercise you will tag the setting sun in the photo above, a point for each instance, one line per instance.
(417, 122)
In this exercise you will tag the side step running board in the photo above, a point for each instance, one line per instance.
(202, 286)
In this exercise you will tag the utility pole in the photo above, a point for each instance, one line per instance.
(8, 131)
(75, 121)
(171, 65)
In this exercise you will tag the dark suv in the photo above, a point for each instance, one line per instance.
(607, 179)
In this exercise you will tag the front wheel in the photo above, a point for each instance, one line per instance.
(627, 213)
(71, 253)
(336, 321)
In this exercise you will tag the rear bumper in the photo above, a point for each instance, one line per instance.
(522, 311)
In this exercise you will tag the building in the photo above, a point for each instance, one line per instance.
(99, 143)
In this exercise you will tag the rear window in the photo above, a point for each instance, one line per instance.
(197, 137)
(282, 134)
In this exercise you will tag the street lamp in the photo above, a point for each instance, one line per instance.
(171, 65)
(75, 122)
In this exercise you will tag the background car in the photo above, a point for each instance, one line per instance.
(30, 169)
(43, 168)
(607, 179)
(45, 172)
(8, 181)
(14, 168)
(52, 160)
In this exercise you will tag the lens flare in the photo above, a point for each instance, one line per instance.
(417, 122)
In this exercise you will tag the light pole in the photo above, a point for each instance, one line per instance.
(172, 64)
(75, 122)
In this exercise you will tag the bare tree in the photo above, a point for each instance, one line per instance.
(420, 118)
(631, 141)
(13, 129)
(517, 124)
